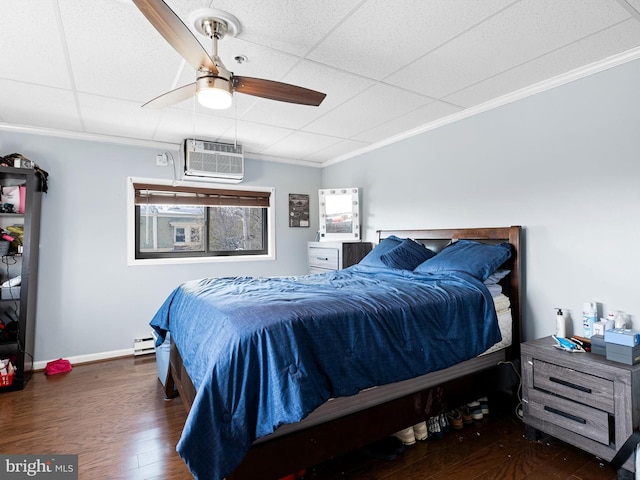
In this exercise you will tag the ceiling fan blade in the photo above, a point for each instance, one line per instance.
(283, 92)
(174, 31)
(174, 96)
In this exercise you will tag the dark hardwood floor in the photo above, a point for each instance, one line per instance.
(114, 416)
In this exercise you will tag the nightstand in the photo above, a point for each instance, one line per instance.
(580, 398)
(326, 256)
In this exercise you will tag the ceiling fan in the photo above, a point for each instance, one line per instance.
(214, 85)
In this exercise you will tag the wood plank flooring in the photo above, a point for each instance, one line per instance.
(114, 416)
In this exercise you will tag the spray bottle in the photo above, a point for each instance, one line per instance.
(589, 317)
(561, 326)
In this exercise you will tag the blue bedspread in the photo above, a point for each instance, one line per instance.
(263, 352)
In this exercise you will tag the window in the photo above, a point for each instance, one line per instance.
(195, 222)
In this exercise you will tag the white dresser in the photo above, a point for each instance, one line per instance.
(326, 256)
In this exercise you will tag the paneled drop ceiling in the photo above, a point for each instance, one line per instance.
(389, 68)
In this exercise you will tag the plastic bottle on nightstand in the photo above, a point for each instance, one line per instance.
(589, 317)
(561, 325)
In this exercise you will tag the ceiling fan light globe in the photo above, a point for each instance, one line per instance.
(214, 93)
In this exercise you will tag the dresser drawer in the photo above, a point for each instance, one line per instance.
(575, 417)
(326, 258)
(576, 386)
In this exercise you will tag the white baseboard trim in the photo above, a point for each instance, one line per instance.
(91, 357)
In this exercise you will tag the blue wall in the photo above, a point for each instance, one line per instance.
(89, 300)
(564, 164)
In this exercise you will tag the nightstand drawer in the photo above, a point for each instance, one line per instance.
(581, 419)
(326, 258)
(576, 386)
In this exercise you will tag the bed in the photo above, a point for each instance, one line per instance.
(274, 371)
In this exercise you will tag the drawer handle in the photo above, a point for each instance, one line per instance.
(570, 385)
(326, 259)
(565, 414)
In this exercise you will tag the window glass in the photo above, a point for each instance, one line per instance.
(177, 222)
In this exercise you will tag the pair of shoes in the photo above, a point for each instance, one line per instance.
(466, 414)
(484, 405)
(434, 428)
(455, 418)
(475, 409)
(420, 431)
(407, 436)
(444, 423)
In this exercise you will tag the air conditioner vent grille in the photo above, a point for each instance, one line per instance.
(215, 162)
(221, 161)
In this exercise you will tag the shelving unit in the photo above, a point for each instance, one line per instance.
(20, 306)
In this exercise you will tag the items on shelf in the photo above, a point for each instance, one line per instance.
(7, 371)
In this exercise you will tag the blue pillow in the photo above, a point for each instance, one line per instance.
(475, 258)
(372, 259)
(407, 255)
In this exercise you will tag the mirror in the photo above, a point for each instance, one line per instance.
(339, 214)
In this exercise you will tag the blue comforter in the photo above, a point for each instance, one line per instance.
(264, 352)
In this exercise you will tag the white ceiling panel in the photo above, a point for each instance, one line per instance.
(339, 87)
(38, 106)
(175, 125)
(589, 50)
(293, 26)
(120, 118)
(367, 110)
(383, 36)
(521, 33)
(298, 144)
(30, 45)
(341, 148)
(409, 121)
(390, 68)
(100, 35)
(255, 137)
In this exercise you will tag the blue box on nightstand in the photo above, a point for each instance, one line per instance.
(623, 353)
(622, 336)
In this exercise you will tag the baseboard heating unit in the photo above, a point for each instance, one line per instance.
(144, 346)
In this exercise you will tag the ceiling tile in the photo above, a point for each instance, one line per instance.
(518, 34)
(175, 125)
(38, 106)
(121, 118)
(606, 43)
(410, 121)
(291, 26)
(100, 35)
(367, 110)
(339, 87)
(383, 36)
(298, 144)
(31, 49)
(255, 137)
(341, 148)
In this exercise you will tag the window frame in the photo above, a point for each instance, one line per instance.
(167, 258)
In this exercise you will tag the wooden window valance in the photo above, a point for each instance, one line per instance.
(153, 194)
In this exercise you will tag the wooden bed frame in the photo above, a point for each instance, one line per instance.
(311, 442)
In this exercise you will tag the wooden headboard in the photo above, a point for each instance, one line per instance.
(437, 239)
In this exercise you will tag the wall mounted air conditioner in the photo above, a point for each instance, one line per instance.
(213, 161)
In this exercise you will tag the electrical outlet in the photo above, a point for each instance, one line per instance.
(162, 160)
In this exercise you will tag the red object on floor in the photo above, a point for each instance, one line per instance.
(294, 476)
(57, 366)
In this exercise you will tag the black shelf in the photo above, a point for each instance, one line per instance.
(25, 264)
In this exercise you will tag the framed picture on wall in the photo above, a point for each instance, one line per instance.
(298, 210)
